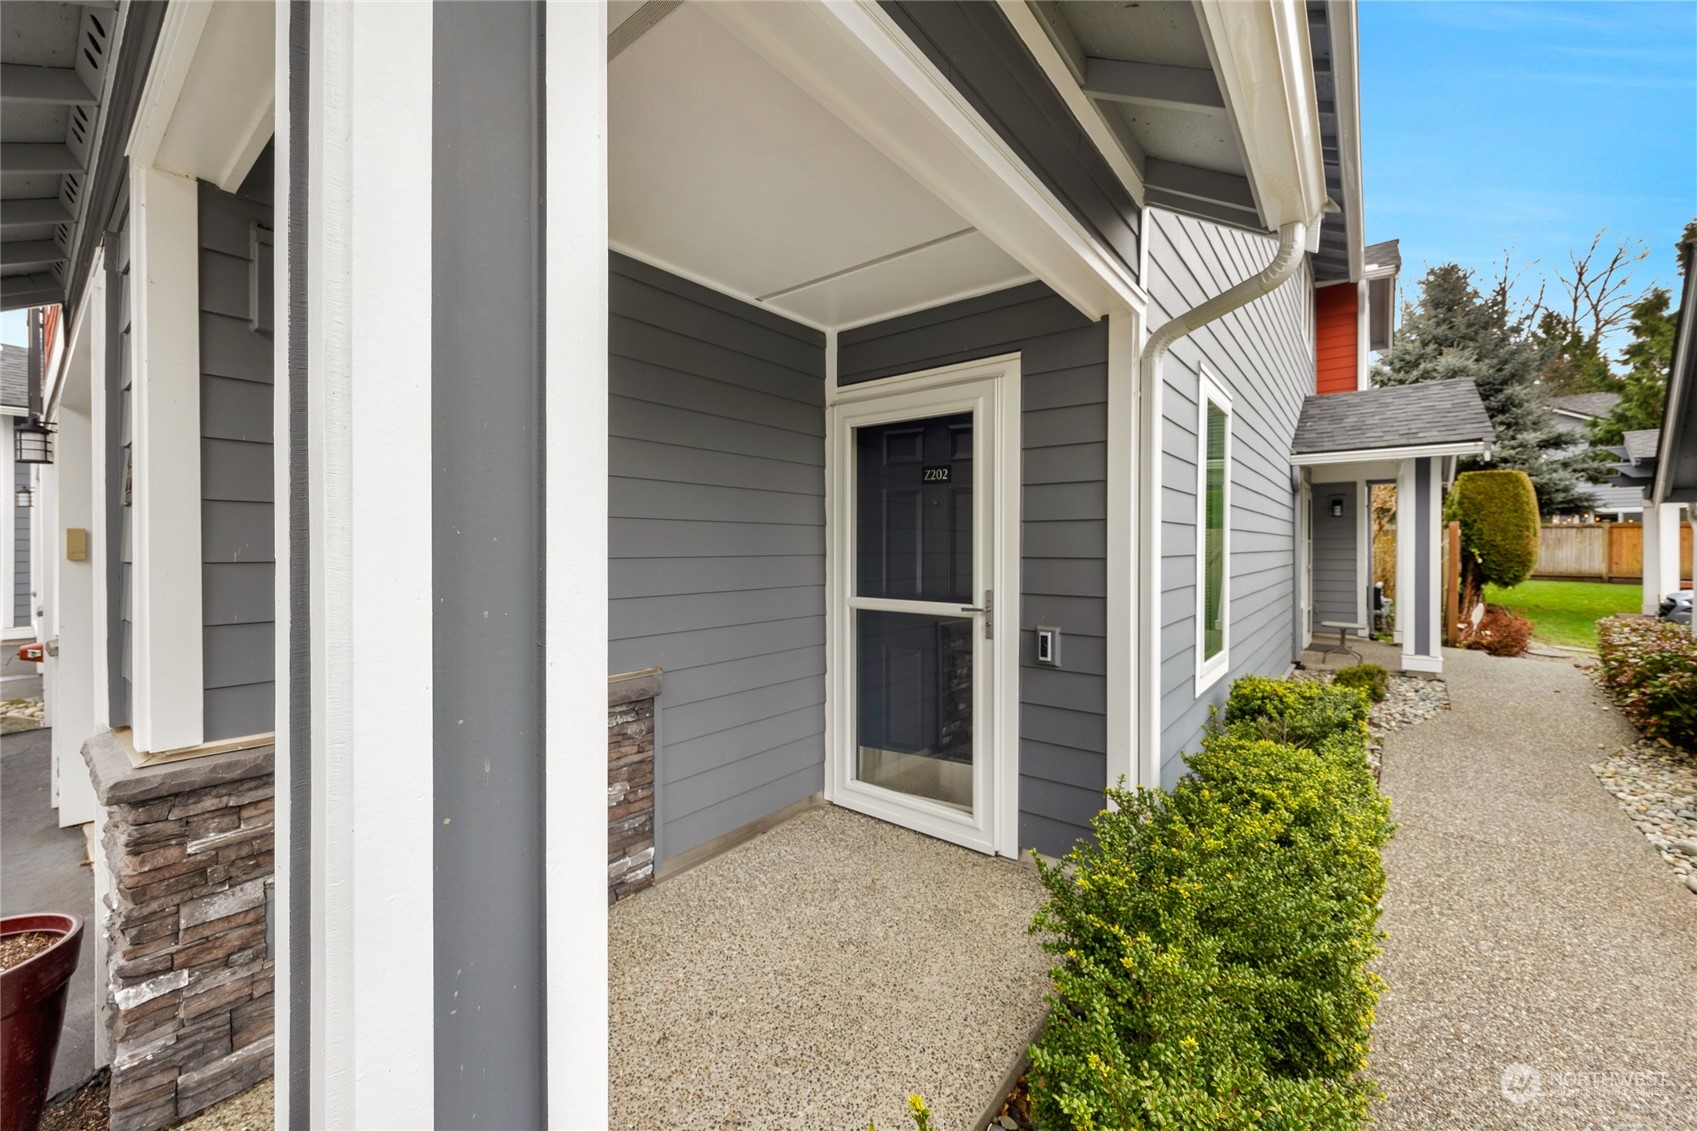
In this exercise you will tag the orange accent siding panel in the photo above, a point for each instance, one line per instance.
(1336, 339)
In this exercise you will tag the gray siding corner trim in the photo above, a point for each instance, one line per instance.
(980, 53)
(1262, 356)
(490, 748)
(238, 551)
(21, 477)
(1063, 525)
(716, 536)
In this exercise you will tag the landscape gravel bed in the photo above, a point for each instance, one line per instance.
(1657, 786)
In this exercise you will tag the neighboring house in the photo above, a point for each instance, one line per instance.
(910, 406)
(17, 497)
(1575, 414)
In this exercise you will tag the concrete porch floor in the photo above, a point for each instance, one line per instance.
(1387, 656)
(817, 975)
(41, 869)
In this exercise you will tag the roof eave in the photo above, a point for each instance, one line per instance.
(1679, 415)
(1407, 451)
(1345, 80)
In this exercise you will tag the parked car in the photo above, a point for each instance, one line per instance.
(1676, 607)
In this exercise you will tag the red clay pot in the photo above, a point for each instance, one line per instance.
(32, 1011)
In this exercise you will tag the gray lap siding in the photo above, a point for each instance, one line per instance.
(1063, 528)
(1263, 357)
(716, 524)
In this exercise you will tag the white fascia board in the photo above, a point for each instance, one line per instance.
(168, 675)
(1036, 36)
(1367, 455)
(173, 55)
(859, 65)
(1262, 57)
(1346, 98)
(575, 581)
(1680, 394)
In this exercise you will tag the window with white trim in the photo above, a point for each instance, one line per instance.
(1213, 532)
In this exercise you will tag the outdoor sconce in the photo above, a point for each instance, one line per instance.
(1337, 506)
(25, 498)
(33, 441)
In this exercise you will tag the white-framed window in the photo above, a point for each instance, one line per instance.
(1213, 531)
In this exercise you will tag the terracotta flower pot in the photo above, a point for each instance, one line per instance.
(32, 1011)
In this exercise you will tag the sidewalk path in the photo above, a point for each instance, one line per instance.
(1530, 923)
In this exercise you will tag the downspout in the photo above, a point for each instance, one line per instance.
(1292, 241)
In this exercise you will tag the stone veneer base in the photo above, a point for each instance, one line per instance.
(630, 782)
(188, 849)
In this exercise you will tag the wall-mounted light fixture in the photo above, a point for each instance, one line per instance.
(25, 498)
(33, 441)
(1337, 506)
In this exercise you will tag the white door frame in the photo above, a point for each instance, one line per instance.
(992, 386)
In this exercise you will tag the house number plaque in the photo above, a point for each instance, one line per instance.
(936, 473)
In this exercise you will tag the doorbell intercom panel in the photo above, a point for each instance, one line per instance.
(1048, 646)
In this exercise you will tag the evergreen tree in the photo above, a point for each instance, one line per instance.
(1454, 331)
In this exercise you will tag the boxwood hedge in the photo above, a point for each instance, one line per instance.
(1213, 942)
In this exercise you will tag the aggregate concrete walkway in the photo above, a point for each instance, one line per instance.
(1530, 924)
(41, 870)
(816, 975)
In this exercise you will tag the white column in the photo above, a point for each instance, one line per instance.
(1651, 561)
(575, 828)
(167, 675)
(72, 613)
(369, 437)
(1661, 555)
(1123, 604)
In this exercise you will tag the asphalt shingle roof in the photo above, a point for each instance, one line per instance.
(1386, 254)
(1397, 416)
(14, 376)
(1587, 404)
(1642, 444)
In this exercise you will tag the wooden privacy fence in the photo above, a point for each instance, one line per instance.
(1600, 551)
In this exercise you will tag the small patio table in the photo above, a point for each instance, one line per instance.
(1344, 628)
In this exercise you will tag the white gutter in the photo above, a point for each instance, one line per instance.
(1292, 243)
(1480, 448)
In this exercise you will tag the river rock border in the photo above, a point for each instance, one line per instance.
(1657, 787)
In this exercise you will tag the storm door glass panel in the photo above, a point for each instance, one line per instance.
(914, 668)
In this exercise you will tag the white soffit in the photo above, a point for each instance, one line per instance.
(223, 117)
(725, 171)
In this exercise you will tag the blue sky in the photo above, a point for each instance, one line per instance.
(1528, 126)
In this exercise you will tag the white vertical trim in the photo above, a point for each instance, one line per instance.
(283, 976)
(70, 612)
(1124, 623)
(1661, 554)
(835, 592)
(1407, 601)
(1364, 553)
(372, 657)
(575, 832)
(98, 342)
(8, 531)
(167, 672)
(1361, 334)
(1210, 669)
(1433, 596)
(1151, 392)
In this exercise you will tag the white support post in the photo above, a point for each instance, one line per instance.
(72, 612)
(1123, 604)
(1651, 561)
(575, 595)
(167, 676)
(1419, 570)
(369, 443)
(1661, 554)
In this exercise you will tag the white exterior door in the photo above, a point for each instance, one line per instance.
(925, 627)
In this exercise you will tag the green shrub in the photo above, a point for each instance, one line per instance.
(1213, 942)
(1498, 512)
(1650, 668)
(1371, 678)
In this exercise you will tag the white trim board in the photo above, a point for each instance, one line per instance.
(1412, 451)
(990, 387)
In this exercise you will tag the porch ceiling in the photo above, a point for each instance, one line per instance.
(723, 170)
(52, 71)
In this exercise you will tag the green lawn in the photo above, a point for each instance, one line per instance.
(1566, 612)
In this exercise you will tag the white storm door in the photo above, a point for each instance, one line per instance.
(918, 500)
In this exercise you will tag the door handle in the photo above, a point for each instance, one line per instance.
(989, 611)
